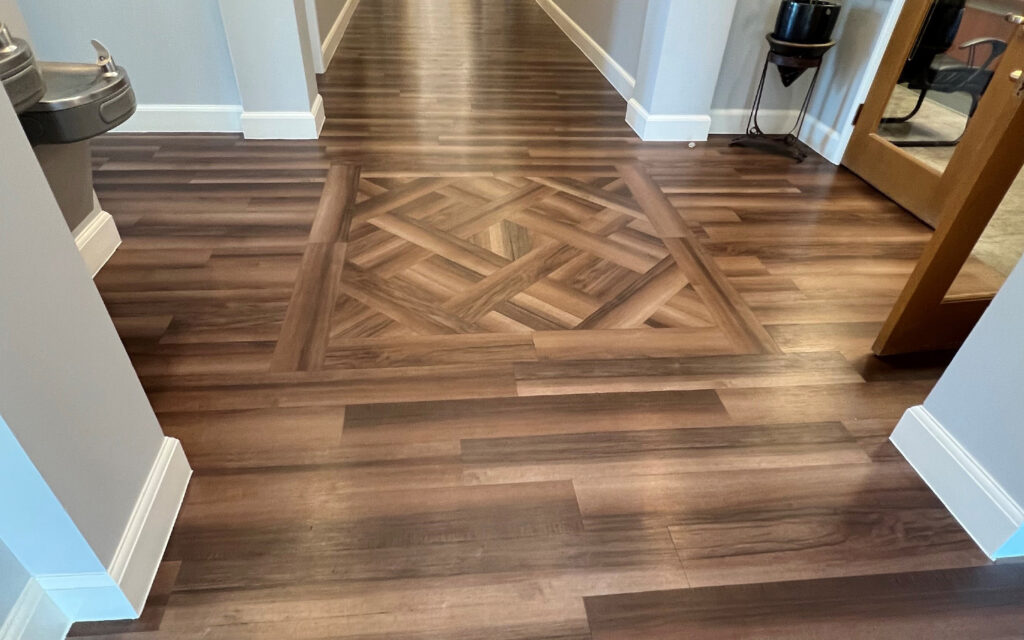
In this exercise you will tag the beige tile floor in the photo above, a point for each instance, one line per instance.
(1002, 244)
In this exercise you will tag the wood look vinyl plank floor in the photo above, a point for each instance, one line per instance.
(479, 363)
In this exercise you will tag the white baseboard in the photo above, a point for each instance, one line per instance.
(184, 118)
(97, 238)
(121, 591)
(824, 139)
(285, 125)
(142, 546)
(619, 78)
(988, 513)
(669, 127)
(34, 616)
(820, 137)
(333, 41)
(734, 121)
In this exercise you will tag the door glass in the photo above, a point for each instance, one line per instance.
(947, 72)
(998, 250)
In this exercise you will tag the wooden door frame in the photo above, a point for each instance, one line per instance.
(924, 317)
(921, 189)
(871, 156)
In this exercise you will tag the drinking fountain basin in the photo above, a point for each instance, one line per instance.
(81, 101)
(18, 71)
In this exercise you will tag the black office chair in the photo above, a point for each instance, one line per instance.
(929, 68)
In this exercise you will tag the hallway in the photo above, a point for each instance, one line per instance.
(479, 363)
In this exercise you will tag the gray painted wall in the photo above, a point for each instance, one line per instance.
(175, 52)
(978, 398)
(744, 58)
(327, 12)
(616, 25)
(69, 395)
(843, 82)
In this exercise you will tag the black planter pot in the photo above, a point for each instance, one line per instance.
(804, 22)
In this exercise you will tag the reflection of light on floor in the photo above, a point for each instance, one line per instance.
(444, 81)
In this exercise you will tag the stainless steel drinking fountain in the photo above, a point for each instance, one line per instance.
(81, 101)
(62, 105)
(19, 72)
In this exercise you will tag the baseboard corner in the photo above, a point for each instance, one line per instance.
(285, 125)
(666, 127)
(97, 239)
(145, 538)
(980, 504)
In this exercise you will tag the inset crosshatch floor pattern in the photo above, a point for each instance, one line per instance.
(508, 256)
(478, 363)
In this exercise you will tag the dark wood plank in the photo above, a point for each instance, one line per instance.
(982, 603)
(307, 323)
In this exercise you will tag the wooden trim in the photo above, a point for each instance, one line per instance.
(920, 319)
(306, 327)
(895, 172)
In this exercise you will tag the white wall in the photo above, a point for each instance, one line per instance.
(617, 27)
(967, 440)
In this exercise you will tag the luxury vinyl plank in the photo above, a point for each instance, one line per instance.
(638, 301)
(593, 194)
(307, 323)
(377, 205)
(630, 343)
(333, 388)
(169, 359)
(505, 283)
(815, 402)
(594, 243)
(764, 525)
(873, 437)
(468, 606)
(982, 603)
(279, 509)
(661, 451)
(258, 438)
(421, 421)
(664, 374)
(403, 303)
(572, 551)
(429, 350)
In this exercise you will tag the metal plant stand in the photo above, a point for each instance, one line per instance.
(792, 59)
